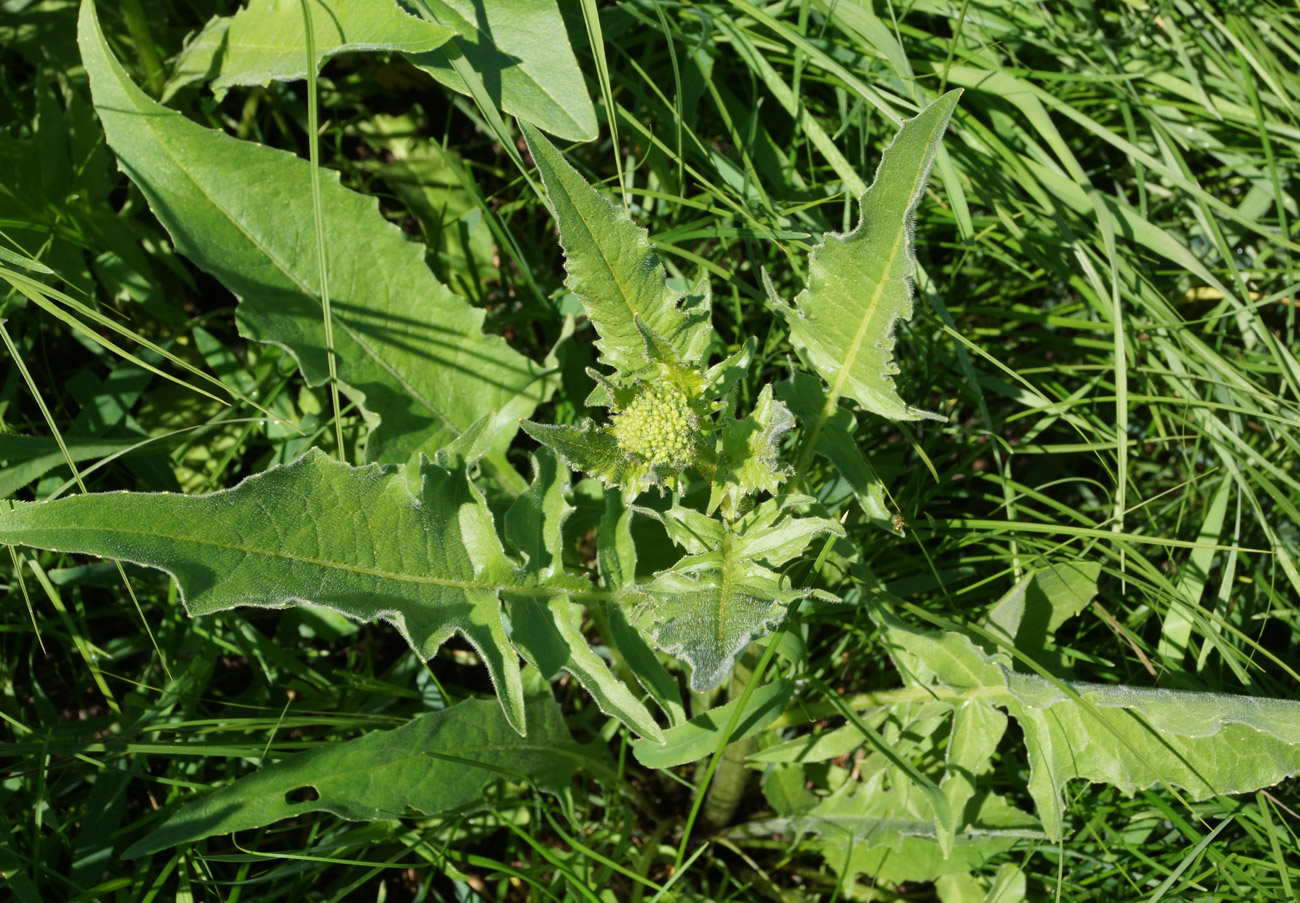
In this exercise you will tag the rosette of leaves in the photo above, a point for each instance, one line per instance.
(668, 410)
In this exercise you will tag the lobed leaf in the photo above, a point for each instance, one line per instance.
(613, 269)
(860, 284)
(358, 541)
(709, 607)
(410, 352)
(547, 629)
(1207, 744)
(749, 461)
(889, 833)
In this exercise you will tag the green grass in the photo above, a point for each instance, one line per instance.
(1106, 315)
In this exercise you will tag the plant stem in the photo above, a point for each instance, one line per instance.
(732, 777)
(138, 25)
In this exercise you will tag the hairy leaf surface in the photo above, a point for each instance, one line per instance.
(547, 629)
(358, 541)
(613, 268)
(710, 606)
(410, 352)
(860, 284)
(1205, 744)
(436, 763)
(749, 462)
(889, 832)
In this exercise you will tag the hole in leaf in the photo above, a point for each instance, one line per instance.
(306, 794)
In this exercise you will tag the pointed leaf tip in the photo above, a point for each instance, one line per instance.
(860, 284)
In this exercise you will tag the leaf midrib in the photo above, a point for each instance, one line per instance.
(360, 570)
(283, 268)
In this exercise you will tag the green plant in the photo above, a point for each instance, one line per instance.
(700, 443)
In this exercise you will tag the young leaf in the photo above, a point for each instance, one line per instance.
(354, 540)
(749, 461)
(612, 267)
(410, 352)
(592, 450)
(708, 608)
(522, 51)
(434, 764)
(860, 284)
(616, 556)
(267, 40)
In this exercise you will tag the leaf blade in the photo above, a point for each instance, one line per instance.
(356, 540)
(411, 353)
(857, 361)
(438, 762)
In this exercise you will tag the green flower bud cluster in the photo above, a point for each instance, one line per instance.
(658, 426)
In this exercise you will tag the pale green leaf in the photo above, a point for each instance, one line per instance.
(701, 736)
(616, 556)
(436, 763)
(520, 49)
(1028, 616)
(613, 268)
(410, 352)
(806, 398)
(889, 832)
(860, 284)
(976, 730)
(749, 461)
(615, 548)
(358, 541)
(591, 449)
(534, 524)
(709, 607)
(1204, 744)
(267, 40)
(548, 629)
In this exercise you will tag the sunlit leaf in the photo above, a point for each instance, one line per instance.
(613, 268)
(410, 352)
(860, 284)
(267, 40)
(357, 540)
(521, 52)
